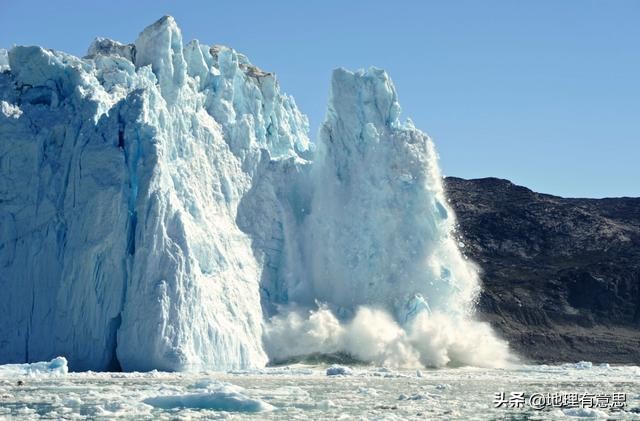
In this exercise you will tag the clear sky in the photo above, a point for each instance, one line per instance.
(545, 93)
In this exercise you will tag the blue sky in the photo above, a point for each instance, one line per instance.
(545, 93)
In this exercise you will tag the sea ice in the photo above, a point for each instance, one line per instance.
(306, 392)
(219, 401)
(585, 413)
(580, 365)
(338, 370)
(56, 366)
(10, 110)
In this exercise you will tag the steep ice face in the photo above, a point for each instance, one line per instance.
(378, 246)
(120, 182)
(63, 212)
(161, 207)
(380, 231)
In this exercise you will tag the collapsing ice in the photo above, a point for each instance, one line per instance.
(163, 208)
(378, 245)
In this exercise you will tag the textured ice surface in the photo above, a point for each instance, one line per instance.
(120, 186)
(305, 392)
(585, 413)
(224, 398)
(338, 370)
(10, 110)
(56, 366)
(163, 208)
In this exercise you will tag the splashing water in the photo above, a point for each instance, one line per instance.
(429, 340)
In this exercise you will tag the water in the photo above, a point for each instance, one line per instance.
(306, 392)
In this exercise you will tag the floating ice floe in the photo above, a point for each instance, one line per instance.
(581, 365)
(227, 398)
(10, 110)
(338, 370)
(56, 366)
(414, 397)
(585, 413)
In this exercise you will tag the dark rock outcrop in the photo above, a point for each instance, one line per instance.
(561, 277)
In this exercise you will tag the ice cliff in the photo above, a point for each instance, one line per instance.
(162, 207)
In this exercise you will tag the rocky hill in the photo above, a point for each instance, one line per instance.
(561, 276)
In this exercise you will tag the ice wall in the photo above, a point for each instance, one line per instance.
(161, 207)
(121, 175)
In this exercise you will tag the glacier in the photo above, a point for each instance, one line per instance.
(163, 207)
